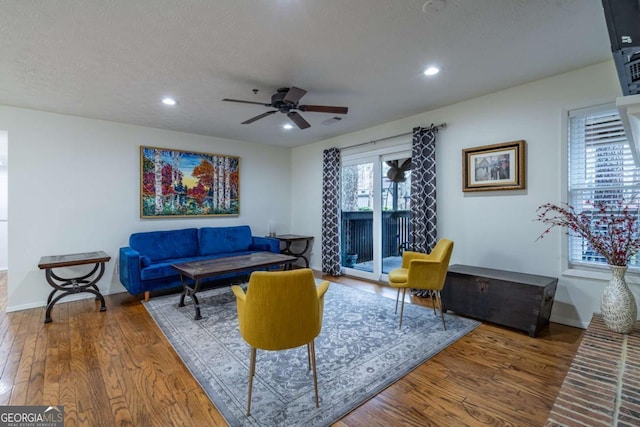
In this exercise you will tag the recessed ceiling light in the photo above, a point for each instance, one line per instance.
(431, 71)
(287, 126)
(169, 101)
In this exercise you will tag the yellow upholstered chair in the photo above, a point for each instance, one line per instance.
(423, 271)
(279, 311)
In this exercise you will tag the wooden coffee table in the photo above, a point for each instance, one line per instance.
(198, 270)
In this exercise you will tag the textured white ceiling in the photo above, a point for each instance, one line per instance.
(116, 59)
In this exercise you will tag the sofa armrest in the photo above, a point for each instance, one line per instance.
(271, 244)
(129, 270)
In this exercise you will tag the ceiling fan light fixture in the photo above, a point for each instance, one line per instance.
(431, 71)
(287, 126)
(286, 100)
(169, 101)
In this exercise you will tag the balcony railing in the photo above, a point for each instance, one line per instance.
(357, 234)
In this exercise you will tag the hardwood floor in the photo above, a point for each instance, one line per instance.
(116, 368)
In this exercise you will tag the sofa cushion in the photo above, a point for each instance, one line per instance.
(165, 268)
(217, 240)
(168, 244)
(259, 247)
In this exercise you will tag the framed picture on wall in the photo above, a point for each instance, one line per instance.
(176, 183)
(494, 167)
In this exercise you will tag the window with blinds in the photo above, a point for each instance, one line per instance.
(601, 169)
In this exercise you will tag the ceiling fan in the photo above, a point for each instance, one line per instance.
(285, 100)
(397, 171)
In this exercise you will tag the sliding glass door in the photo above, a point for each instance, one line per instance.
(376, 192)
(359, 199)
(395, 203)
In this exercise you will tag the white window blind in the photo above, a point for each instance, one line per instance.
(601, 168)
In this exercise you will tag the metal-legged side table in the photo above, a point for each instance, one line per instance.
(73, 285)
(289, 239)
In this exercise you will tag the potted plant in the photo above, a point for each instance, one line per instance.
(611, 230)
(350, 260)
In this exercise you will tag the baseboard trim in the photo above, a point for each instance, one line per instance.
(570, 322)
(70, 298)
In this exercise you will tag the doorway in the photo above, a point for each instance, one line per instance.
(375, 202)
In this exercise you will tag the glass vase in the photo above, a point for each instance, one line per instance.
(618, 305)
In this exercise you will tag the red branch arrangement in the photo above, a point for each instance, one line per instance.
(611, 230)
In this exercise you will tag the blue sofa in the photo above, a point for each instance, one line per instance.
(145, 265)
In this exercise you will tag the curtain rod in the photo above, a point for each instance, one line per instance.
(436, 127)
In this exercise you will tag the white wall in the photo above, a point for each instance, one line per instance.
(4, 224)
(74, 186)
(490, 229)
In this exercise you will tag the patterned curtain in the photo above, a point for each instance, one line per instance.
(331, 212)
(422, 221)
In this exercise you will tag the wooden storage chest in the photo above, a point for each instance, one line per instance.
(518, 300)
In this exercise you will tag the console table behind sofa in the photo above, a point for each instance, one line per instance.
(146, 264)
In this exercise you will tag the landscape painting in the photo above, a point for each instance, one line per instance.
(177, 183)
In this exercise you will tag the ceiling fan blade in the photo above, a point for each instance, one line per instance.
(298, 120)
(332, 120)
(294, 95)
(247, 102)
(261, 116)
(323, 109)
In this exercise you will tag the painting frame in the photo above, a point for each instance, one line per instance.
(494, 167)
(177, 183)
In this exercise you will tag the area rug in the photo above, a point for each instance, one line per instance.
(359, 352)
